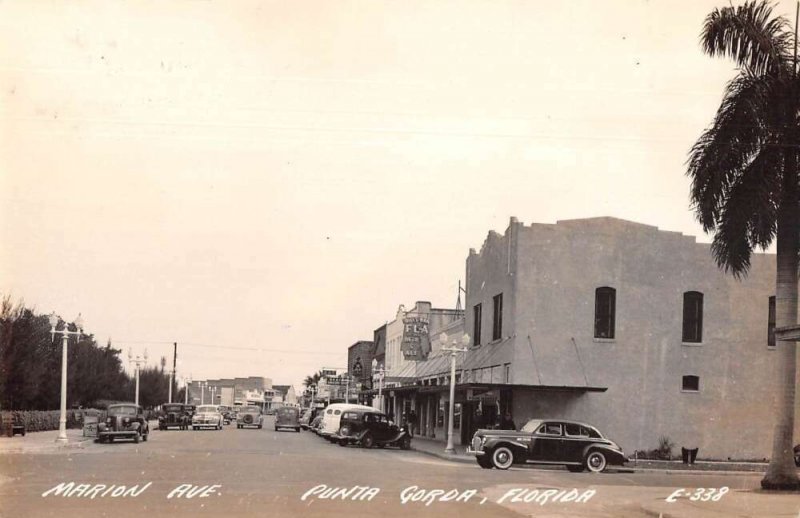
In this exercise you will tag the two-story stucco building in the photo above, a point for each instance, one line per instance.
(630, 328)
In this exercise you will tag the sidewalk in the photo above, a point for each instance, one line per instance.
(42, 442)
(436, 448)
(741, 503)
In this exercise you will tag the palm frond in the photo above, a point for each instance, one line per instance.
(748, 217)
(745, 120)
(750, 36)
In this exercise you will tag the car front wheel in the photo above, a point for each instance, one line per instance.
(137, 437)
(596, 462)
(405, 443)
(367, 441)
(502, 457)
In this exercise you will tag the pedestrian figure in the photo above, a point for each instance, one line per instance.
(506, 423)
(412, 422)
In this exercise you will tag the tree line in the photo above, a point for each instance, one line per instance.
(30, 367)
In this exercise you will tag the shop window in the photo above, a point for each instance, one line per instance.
(605, 301)
(692, 317)
(497, 323)
(691, 384)
(771, 323)
(457, 416)
(477, 315)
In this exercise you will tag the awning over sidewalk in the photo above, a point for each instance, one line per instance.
(431, 389)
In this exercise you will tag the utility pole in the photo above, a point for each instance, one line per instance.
(172, 374)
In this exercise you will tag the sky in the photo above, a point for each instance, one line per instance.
(265, 182)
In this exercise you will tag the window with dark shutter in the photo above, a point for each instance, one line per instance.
(692, 317)
(771, 323)
(497, 324)
(605, 300)
(477, 316)
(691, 383)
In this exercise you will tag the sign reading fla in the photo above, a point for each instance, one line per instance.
(416, 344)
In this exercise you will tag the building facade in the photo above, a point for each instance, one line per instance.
(630, 328)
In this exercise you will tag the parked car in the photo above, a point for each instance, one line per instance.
(332, 415)
(797, 455)
(226, 414)
(124, 421)
(250, 416)
(577, 446)
(173, 414)
(315, 423)
(287, 417)
(305, 419)
(370, 428)
(207, 416)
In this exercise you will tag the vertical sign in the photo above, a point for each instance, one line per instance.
(416, 343)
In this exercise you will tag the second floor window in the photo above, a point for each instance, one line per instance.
(497, 324)
(605, 301)
(771, 322)
(477, 315)
(693, 317)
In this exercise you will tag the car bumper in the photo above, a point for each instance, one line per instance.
(477, 453)
(205, 424)
(112, 433)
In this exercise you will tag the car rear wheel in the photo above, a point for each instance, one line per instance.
(405, 443)
(144, 437)
(596, 461)
(367, 441)
(502, 457)
(484, 462)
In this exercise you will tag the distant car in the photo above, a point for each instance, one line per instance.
(305, 419)
(124, 421)
(207, 416)
(287, 417)
(797, 455)
(227, 415)
(315, 423)
(249, 416)
(173, 415)
(577, 446)
(370, 428)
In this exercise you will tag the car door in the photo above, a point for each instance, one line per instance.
(576, 438)
(545, 442)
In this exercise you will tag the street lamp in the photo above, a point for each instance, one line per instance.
(379, 373)
(186, 383)
(62, 420)
(202, 386)
(453, 350)
(137, 361)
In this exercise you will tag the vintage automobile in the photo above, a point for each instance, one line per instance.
(207, 416)
(577, 446)
(173, 415)
(249, 416)
(123, 421)
(227, 414)
(287, 417)
(370, 428)
(797, 455)
(332, 415)
(305, 419)
(315, 423)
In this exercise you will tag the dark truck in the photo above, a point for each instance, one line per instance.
(173, 415)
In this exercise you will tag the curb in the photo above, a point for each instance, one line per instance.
(444, 456)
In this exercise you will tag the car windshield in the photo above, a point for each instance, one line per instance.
(122, 410)
(531, 425)
(250, 409)
(207, 409)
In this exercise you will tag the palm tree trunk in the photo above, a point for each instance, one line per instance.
(781, 473)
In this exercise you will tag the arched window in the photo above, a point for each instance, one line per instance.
(605, 301)
(692, 317)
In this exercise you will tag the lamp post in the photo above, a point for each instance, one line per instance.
(379, 372)
(202, 385)
(62, 419)
(453, 350)
(186, 390)
(137, 361)
(214, 395)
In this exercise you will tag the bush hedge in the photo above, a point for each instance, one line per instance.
(40, 420)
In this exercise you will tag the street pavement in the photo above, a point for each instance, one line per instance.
(255, 472)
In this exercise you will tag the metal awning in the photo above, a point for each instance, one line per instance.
(429, 389)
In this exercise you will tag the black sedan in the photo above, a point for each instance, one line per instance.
(577, 446)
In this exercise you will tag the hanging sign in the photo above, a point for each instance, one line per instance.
(416, 344)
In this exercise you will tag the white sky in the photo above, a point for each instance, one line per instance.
(279, 176)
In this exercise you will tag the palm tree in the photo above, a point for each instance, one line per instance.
(311, 381)
(745, 179)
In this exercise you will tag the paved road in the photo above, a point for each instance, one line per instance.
(266, 473)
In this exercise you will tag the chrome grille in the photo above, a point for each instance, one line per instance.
(477, 443)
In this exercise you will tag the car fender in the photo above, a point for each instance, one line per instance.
(612, 455)
(494, 443)
(397, 437)
(136, 425)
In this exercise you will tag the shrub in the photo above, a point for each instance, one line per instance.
(40, 420)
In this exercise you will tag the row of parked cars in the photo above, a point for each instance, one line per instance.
(347, 424)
